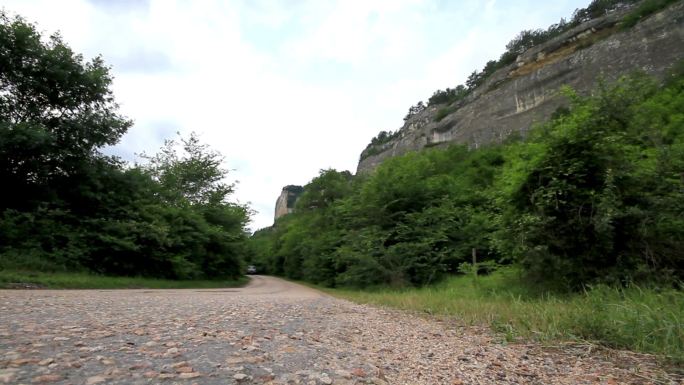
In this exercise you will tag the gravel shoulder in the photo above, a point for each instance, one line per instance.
(273, 332)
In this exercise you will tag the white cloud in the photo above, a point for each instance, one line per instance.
(282, 88)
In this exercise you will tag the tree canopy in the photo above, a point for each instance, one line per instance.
(69, 207)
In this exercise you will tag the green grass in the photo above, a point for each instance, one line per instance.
(638, 319)
(9, 279)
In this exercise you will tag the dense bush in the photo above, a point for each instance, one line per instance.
(603, 198)
(68, 207)
(596, 195)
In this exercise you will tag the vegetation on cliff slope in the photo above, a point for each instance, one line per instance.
(68, 207)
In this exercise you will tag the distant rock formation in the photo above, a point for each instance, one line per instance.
(526, 92)
(287, 199)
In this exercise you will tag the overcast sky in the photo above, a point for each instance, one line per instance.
(284, 88)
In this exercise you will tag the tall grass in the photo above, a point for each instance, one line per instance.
(640, 319)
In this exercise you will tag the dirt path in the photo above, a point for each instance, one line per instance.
(272, 332)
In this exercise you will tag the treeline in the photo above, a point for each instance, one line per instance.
(529, 38)
(594, 196)
(67, 207)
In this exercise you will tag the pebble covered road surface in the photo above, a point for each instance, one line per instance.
(272, 332)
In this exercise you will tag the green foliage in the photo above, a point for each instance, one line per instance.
(476, 78)
(374, 146)
(594, 196)
(415, 110)
(55, 111)
(598, 8)
(383, 137)
(195, 177)
(448, 96)
(72, 209)
(443, 112)
(603, 200)
(261, 248)
(324, 190)
(413, 220)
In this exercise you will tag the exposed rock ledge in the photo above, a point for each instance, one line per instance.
(286, 201)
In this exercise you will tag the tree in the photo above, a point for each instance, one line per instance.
(602, 201)
(208, 232)
(329, 186)
(415, 110)
(55, 109)
(475, 79)
(69, 207)
(448, 96)
(196, 176)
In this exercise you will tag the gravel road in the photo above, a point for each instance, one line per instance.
(272, 332)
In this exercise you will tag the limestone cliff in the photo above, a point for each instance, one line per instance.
(287, 199)
(526, 92)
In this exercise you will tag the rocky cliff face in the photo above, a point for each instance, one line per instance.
(287, 199)
(527, 92)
